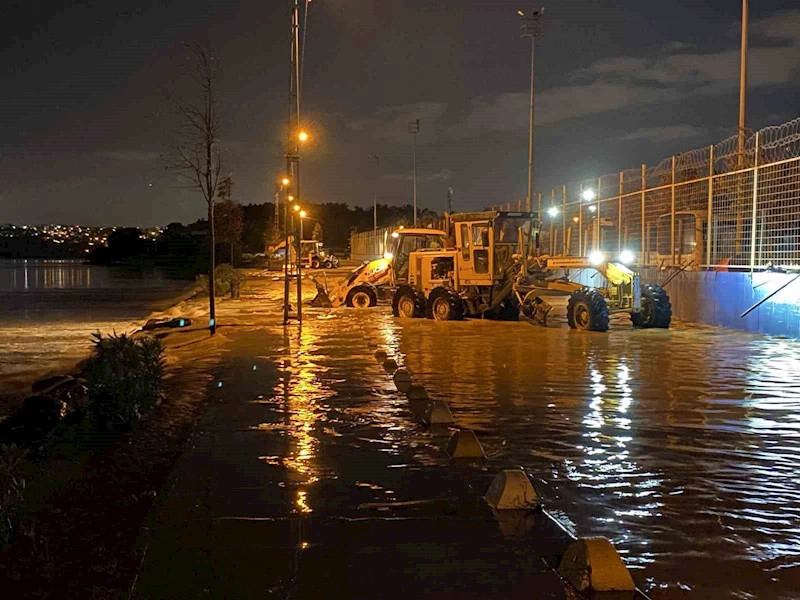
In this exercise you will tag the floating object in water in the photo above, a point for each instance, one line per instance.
(166, 323)
(380, 356)
(512, 490)
(390, 365)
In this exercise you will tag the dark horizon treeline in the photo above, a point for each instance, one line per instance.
(187, 244)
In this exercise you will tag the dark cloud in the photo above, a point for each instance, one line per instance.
(84, 112)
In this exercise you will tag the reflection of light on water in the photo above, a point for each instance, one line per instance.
(305, 394)
(302, 502)
(607, 464)
(766, 483)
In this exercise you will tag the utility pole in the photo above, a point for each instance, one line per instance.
(742, 84)
(413, 129)
(740, 195)
(377, 160)
(530, 28)
(286, 306)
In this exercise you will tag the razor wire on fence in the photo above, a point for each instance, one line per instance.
(733, 204)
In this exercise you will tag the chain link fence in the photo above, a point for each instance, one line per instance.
(733, 204)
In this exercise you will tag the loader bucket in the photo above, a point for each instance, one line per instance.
(322, 299)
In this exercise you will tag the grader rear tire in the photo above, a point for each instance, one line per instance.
(587, 310)
(656, 308)
(444, 305)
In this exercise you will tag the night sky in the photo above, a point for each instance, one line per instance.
(84, 115)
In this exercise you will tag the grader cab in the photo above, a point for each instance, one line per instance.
(495, 271)
(476, 276)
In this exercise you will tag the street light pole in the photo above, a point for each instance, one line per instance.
(742, 82)
(286, 254)
(413, 129)
(377, 160)
(530, 28)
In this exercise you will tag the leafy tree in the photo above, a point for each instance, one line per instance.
(229, 222)
(316, 234)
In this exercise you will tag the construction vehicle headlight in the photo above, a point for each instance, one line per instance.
(388, 255)
(596, 258)
(626, 257)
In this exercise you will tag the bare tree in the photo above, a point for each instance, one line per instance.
(195, 154)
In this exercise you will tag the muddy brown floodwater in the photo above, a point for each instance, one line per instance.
(680, 445)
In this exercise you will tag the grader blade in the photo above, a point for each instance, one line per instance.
(540, 311)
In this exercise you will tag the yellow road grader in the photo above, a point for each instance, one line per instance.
(492, 269)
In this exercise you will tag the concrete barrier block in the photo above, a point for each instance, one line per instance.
(464, 444)
(512, 490)
(390, 365)
(593, 565)
(438, 413)
(402, 380)
(380, 356)
(416, 392)
(419, 408)
(515, 524)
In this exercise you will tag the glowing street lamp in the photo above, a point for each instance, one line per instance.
(296, 207)
(553, 212)
(302, 215)
(285, 181)
(588, 195)
(302, 136)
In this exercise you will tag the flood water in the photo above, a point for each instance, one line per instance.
(49, 309)
(680, 445)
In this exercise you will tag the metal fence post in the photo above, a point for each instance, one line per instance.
(540, 205)
(564, 218)
(580, 220)
(552, 222)
(619, 214)
(755, 211)
(644, 190)
(709, 228)
(672, 220)
(597, 217)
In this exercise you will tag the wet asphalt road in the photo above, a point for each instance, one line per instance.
(308, 474)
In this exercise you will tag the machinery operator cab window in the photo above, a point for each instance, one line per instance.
(480, 241)
(407, 244)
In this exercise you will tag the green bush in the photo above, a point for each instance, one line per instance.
(225, 278)
(125, 377)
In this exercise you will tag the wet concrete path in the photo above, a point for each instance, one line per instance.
(309, 475)
(308, 478)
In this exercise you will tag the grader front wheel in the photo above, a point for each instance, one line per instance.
(587, 310)
(656, 308)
